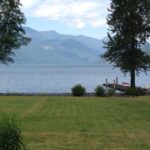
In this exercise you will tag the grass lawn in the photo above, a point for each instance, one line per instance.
(88, 123)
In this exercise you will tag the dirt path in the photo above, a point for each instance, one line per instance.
(35, 108)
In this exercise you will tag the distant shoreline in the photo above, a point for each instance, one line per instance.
(56, 94)
(42, 94)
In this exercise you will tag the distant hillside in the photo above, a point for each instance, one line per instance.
(50, 47)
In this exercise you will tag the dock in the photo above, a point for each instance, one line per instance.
(118, 87)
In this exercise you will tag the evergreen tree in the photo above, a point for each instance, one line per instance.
(12, 34)
(129, 25)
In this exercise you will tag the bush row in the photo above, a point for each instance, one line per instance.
(79, 90)
(134, 92)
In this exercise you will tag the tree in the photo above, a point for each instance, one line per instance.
(129, 26)
(12, 34)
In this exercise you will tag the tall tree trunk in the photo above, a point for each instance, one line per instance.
(132, 83)
(133, 52)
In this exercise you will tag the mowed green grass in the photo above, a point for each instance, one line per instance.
(88, 123)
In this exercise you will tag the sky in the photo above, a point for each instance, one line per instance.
(76, 17)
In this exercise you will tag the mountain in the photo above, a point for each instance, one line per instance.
(50, 47)
(147, 48)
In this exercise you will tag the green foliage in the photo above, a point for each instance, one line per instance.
(12, 35)
(110, 92)
(10, 134)
(78, 90)
(129, 24)
(100, 91)
(134, 92)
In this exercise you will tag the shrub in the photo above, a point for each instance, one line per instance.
(140, 91)
(100, 91)
(78, 90)
(134, 91)
(110, 92)
(10, 135)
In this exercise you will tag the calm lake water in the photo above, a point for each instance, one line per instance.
(59, 78)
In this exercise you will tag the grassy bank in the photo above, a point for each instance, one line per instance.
(88, 123)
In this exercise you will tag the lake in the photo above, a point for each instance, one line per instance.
(60, 78)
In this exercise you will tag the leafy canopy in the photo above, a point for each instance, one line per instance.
(12, 34)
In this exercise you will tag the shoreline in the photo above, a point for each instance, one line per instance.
(61, 94)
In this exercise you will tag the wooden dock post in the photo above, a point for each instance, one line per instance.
(106, 83)
(114, 84)
(117, 82)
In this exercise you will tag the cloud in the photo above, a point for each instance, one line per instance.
(78, 13)
(80, 24)
(28, 3)
(98, 23)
